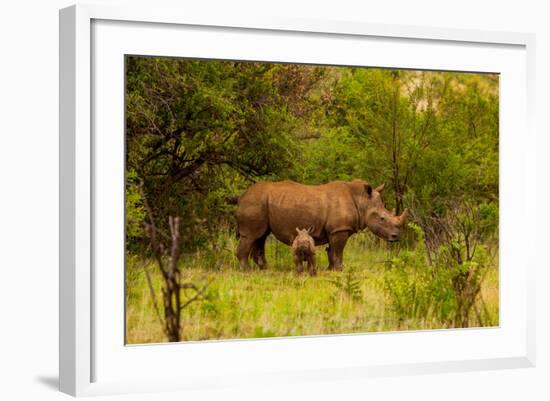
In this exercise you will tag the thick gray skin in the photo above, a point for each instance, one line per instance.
(335, 211)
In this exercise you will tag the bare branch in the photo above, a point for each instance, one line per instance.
(197, 296)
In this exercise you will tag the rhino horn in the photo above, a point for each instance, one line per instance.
(403, 217)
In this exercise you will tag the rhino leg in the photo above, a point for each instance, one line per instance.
(258, 252)
(330, 256)
(253, 231)
(299, 264)
(243, 251)
(311, 266)
(337, 243)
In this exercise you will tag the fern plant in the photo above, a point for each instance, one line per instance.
(349, 283)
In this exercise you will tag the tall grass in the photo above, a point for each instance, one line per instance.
(278, 302)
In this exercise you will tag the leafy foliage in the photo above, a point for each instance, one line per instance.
(446, 289)
(135, 211)
(199, 131)
(349, 283)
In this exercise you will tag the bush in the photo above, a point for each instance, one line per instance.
(348, 283)
(415, 289)
(445, 290)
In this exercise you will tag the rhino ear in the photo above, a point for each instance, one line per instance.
(368, 190)
(297, 230)
(380, 188)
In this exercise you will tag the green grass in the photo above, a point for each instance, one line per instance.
(277, 302)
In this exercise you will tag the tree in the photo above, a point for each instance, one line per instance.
(194, 127)
(391, 114)
(167, 250)
(432, 136)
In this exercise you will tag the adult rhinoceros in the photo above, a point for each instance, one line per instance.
(333, 211)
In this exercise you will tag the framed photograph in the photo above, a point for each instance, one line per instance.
(279, 200)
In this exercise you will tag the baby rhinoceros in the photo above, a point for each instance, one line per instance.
(303, 250)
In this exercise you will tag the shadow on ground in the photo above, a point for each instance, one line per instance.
(51, 382)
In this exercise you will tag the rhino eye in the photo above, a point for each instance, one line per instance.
(382, 218)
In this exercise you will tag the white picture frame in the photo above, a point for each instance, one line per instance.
(84, 159)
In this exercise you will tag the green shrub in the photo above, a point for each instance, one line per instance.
(349, 283)
(444, 291)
